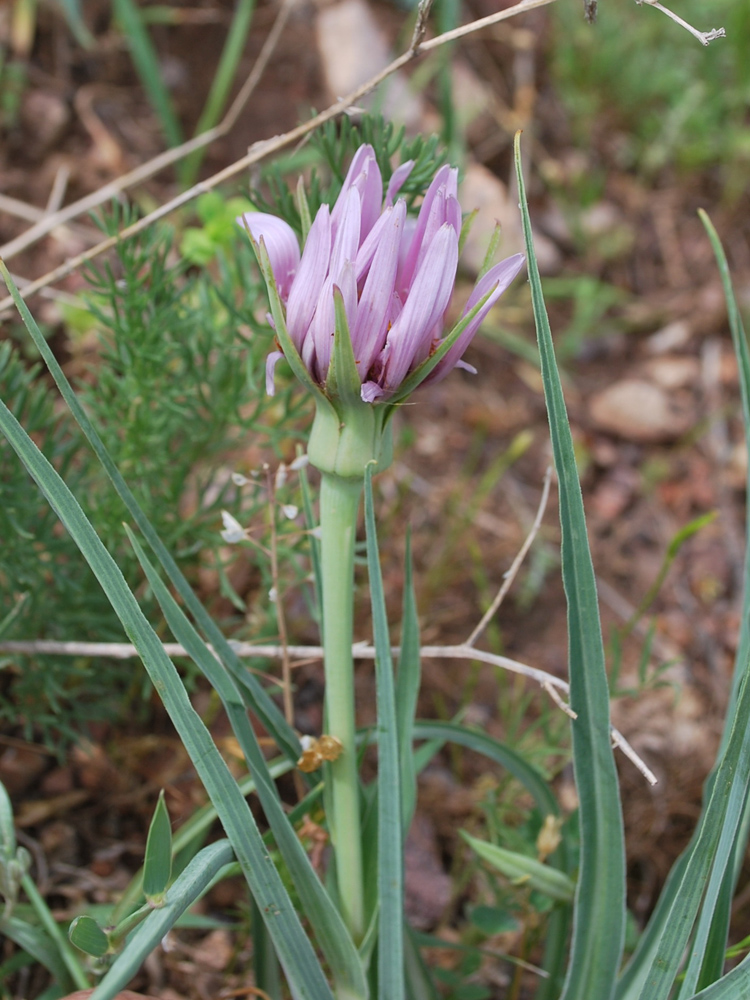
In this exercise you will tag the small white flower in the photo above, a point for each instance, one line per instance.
(280, 477)
(289, 510)
(299, 463)
(273, 595)
(317, 532)
(239, 480)
(233, 530)
(307, 742)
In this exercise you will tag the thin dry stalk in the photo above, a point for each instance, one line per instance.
(45, 222)
(515, 565)
(360, 651)
(258, 151)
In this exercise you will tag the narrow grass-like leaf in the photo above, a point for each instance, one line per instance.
(157, 863)
(183, 892)
(719, 822)
(146, 61)
(221, 84)
(53, 930)
(390, 856)
(295, 952)
(419, 983)
(491, 748)
(253, 692)
(40, 946)
(734, 986)
(191, 831)
(713, 958)
(521, 868)
(311, 524)
(599, 913)
(713, 962)
(330, 930)
(407, 690)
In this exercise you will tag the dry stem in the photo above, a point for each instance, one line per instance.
(360, 651)
(257, 152)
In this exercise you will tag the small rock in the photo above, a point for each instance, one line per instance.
(673, 371)
(352, 49)
(640, 411)
(670, 338)
(483, 191)
(215, 950)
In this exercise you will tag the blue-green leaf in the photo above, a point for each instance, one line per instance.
(157, 864)
(293, 947)
(88, 936)
(599, 914)
(390, 842)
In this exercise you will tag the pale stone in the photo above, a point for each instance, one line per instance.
(482, 191)
(640, 411)
(352, 50)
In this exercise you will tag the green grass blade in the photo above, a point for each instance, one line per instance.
(536, 874)
(231, 54)
(390, 857)
(180, 895)
(157, 863)
(40, 946)
(599, 913)
(292, 945)
(495, 751)
(734, 986)
(146, 61)
(719, 823)
(407, 689)
(714, 944)
(330, 930)
(739, 342)
(254, 693)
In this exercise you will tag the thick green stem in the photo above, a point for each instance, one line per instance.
(339, 503)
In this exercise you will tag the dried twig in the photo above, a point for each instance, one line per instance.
(257, 152)
(45, 222)
(515, 565)
(704, 37)
(360, 651)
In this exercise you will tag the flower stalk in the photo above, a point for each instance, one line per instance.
(339, 504)
(359, 315)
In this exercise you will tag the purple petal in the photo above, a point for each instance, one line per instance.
(432, 214)
(281, 244)
(496, 280)
(371, 391)
(428, 299)
(364, 175)
(311, 274)
(346, 243)
(271, 361)
(322, 328)
(376, 302)
(397, 181)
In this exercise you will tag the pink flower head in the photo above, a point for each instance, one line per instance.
(395, 277)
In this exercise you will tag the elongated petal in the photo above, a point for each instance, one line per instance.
(322, 329)
(364, 175)
(495, 281)
(428, 299)
(271, 361)
(281, 244)
(311, 274)
(397, 181)
(371, 392)
(375, 304)
(432, 216)
(346, 242)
